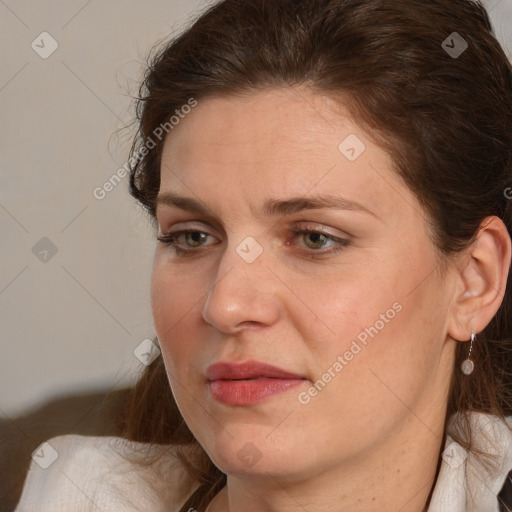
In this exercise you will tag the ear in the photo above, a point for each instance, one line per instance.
(480, 285)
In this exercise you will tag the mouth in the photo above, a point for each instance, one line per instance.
(248, 383)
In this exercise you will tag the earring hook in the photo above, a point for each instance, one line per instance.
(468, 365)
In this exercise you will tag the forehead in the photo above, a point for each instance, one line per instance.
(272, 122)
(276, 143)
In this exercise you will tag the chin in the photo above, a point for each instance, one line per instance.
(247, 450)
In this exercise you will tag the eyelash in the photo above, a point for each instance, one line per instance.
(170, 241)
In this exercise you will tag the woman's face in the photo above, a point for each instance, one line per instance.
(309, 254)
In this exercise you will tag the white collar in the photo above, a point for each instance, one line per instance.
(89, 473)
(464, 484)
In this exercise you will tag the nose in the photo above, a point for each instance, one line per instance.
(243, 294)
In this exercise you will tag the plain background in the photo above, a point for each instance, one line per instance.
(71, 323)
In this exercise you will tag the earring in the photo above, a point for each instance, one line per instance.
(468, 366)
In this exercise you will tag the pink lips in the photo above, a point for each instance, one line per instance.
(248, 383)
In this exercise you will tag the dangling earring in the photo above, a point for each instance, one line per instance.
(468, 366)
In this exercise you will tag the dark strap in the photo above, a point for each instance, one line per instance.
(505, 495)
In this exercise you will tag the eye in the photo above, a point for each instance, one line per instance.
(185, 242)
(316, 238)
(316, 241)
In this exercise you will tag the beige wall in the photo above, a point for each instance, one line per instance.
(71, 324)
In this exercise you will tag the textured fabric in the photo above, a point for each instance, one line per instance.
(90, 474)
(464, 484)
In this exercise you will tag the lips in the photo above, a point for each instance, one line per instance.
(248, 383)
(248, 370)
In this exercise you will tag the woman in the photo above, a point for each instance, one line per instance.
(330, 186)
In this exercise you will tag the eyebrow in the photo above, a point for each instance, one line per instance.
(271, 207)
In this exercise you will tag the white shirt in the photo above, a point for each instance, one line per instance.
(87, 473)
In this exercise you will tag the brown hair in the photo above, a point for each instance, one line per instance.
(445, 120)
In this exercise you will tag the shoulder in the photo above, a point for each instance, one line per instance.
(75, 472)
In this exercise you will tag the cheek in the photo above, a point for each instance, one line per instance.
(359, 304)
(176, 303)
(380, 313)
(385, 348)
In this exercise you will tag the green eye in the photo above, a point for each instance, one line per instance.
(317, 239)
(193, 240)
(315, 243)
